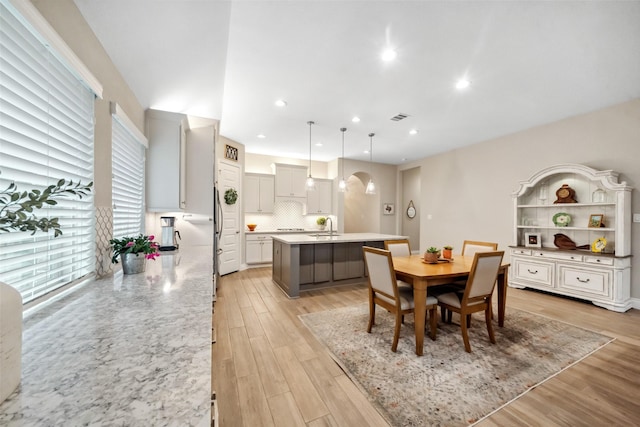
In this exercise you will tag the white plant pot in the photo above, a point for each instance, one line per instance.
(10, 340)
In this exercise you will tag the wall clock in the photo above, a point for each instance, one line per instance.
(565, 194)
(411, 210)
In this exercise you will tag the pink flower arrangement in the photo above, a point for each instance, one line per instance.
(134, 245)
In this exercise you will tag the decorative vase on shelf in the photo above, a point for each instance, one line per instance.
(10, 339)
(321, 227)
(133, 263)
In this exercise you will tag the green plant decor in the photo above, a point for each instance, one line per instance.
(230, 196)
(447, 247)
(16, 208)
(134, 245)
(321, 220)
(433, 250)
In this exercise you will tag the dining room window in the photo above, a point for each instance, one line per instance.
(127, 164)
(46, 134)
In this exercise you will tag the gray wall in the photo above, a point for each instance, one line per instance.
(472, 199)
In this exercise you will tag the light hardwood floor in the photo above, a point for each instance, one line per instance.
(268, 369)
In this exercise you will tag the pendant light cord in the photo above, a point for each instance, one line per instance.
(343, 131)
(310, 123)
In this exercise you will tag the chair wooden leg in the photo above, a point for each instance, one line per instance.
(487, 316)
(443, 312)
(372, 315)
(449, 316)
(396, 332)
(465, 335)
(433, 322)
(468, 320)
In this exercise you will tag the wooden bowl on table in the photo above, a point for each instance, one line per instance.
(252, 227)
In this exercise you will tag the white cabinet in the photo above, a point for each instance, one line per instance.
(258, 248)
(319, 200)
(291, 182)
(200, 170)
(259, 193)
(166, 161)
(603, 278)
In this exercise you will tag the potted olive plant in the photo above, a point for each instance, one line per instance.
(16, 215)
(431, 255)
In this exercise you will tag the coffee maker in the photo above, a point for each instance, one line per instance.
(170, 235)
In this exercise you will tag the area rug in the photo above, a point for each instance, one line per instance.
(448, 386)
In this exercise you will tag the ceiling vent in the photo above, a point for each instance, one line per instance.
(399, 117)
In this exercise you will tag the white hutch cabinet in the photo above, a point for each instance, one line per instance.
(603, 278)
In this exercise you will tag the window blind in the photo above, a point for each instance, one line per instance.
(128, 156)
(46, 134)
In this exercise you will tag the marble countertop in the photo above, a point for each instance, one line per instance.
(132, 350)
(323, 237)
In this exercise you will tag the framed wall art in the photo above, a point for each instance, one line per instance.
(388, 209)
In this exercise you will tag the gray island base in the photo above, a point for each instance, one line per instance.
(304, 262)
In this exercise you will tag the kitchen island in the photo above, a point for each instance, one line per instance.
(303, 262)
(132, 350)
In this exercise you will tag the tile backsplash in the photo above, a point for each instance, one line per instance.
(286, 215)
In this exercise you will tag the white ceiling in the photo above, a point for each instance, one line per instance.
(530, 63)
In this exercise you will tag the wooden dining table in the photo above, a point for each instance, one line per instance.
(412, 269)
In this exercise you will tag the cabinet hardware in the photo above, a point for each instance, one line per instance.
(582, 281)
(597, 260)
(532, 272)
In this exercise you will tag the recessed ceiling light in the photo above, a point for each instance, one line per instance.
(281, 103)
(413, 132)
(261, 136)
(462, 84)
(355, 119)
(389, 55)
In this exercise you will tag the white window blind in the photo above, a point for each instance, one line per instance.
(128, 151)
(46, 134)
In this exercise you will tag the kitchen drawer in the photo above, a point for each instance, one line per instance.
(539, 272)
(521, 251)
(584, 282)
(257, 237)
(564, 256)
(598, 260)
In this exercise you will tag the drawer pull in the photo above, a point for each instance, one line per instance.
(582, 281)
(597, 260)
(573, 257)
(532, 272)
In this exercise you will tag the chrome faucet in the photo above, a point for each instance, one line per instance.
(330, 225)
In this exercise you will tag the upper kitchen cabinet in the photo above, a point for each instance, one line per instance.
(200, 168)
(259, 190)
(290, 182)
(166, 161)
(319, 200)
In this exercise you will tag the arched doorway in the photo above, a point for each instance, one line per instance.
(360, 210)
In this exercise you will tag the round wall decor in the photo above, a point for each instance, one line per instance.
(230, 196)
(411, 210)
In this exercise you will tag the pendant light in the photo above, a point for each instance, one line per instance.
(342, 185)
(371, 187)
(311, 185)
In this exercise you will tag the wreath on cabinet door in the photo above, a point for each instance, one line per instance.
(230, 196)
